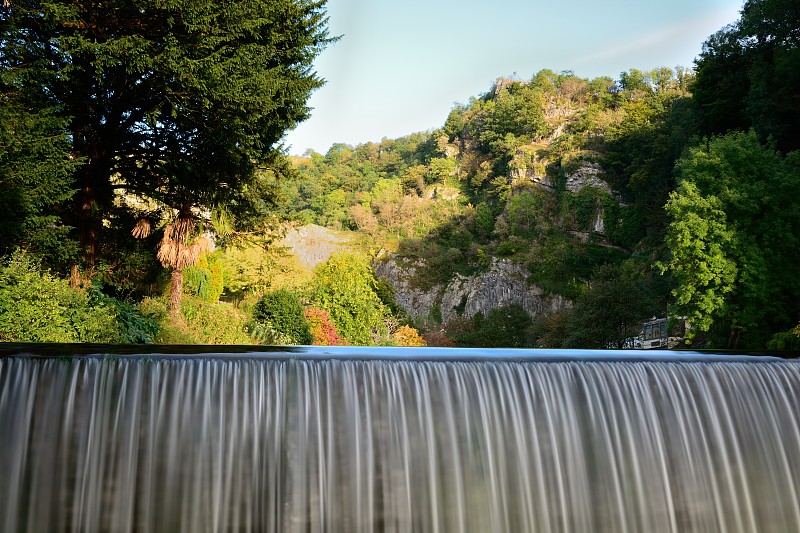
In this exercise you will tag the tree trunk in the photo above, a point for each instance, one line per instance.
(74, 276)
(88, 235)
(175, 291)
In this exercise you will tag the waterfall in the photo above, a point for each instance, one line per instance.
(295, 442)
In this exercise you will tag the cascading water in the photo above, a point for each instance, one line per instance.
(451, 441)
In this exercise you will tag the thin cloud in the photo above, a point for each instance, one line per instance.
(653, 44)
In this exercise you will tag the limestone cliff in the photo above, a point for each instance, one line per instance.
(313, 244)
(504, 283)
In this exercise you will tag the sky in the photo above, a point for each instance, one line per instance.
(401, 65)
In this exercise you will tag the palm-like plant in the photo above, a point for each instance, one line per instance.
(177, 250)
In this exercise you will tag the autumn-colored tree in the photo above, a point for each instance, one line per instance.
(407, 336)
(322, 329)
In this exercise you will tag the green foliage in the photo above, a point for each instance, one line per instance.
(610, 312)
(583, 205)
(748, 74)
(35, 172)
(734, 239)
(178, 102)
(640, 158)
(200, 322)
(550, 330)
(512, 246)
(440, 168)
(484, 220)
(37, 307)
(702, 262)
(785, 341)
(525, 211)
(345, 286)
(551, 263)
(254, 268)
(504, 327)
(133, 327)
(516, 109)
(282, 311)
(206, 278)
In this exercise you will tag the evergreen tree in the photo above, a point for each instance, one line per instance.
(35, 178)
(178, 101)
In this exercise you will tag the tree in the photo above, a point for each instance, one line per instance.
(177, 250)
(748, 74)
(734, 237)
(35, 170)
(282, 311)
(178, 101)
(345, 286)
(611, 312)
(502, 327)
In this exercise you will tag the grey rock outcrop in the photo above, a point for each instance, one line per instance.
(587, 175)
(313, 244)
(415, 301)
(504, 283)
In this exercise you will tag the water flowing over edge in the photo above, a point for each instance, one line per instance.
(366, 440)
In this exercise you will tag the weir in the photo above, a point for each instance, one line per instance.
(100, 438)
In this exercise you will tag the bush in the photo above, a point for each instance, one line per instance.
(504, 327)
(785, 340)
(346, 287)
(201, 322)
(282, 311)
(322, 329)
(133, 327)
(35, 306)
(437, 338)
(407, 336)
(205, 279)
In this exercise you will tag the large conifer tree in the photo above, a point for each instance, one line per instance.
(178, 100)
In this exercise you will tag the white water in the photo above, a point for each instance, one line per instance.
(103, 444)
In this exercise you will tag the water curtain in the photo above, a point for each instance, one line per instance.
(366, 440)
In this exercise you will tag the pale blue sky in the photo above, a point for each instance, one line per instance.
(401, 65)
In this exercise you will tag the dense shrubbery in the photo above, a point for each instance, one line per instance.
(35, 306)
(345, 286)
(282, 312)
(505, 326)
(407, 336)
(201, 322)
(206, 278)
(344, 304)
(322, 329)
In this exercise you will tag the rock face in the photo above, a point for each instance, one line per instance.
(504, 283)
(416, 302)
(313, 244)
(587, 175)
